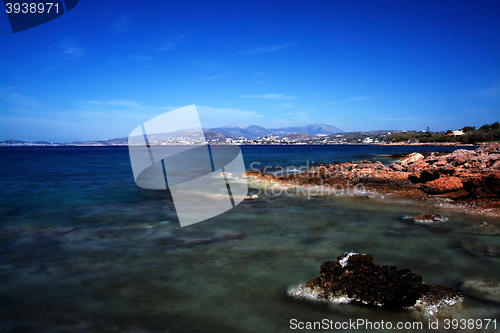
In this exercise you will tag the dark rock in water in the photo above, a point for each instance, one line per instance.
(429, 217)
(425, 218)
(355, 278)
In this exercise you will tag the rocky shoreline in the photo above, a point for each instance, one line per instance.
(466, 180)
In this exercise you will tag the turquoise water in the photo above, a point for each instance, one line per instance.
(82, 249)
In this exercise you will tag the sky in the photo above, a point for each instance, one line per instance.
(103, 68)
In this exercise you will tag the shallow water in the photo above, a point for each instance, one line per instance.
(83, 249)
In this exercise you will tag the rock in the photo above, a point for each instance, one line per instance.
(411, 158)
(429, 218)
(469, 179)
(482, 184)
(396, 166)
(424, 173)
(458, 157)
(446, 169)
(355, 278)
(482, 289)
(441, 162)
(436, 299)
(493, 148)
(248, 174)
(455, 194)
(443, 185)
(495, 166)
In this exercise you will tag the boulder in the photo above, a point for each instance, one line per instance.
(429, 218)
(458, 157)
(482, 184)
(396, 167)
(355, 278)
(495, 166)
(455, 194)
(442, 161)
(492, 148)
(411, 158)
(443, 185)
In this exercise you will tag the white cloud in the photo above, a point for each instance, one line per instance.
(399, 119)
(120, 102)
(215, 77)
(491, 92)
(268, 49)
(69, 48)
(122, 24)
(357, 98)
(223, 114)
(271, 96)
(172, 42)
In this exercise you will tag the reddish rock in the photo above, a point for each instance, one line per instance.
(443, 185)
(251, 173)
(411, 158)
(456, 194)
(482, 185)
(467, 174)
(429, 217)
(493, 148)
(447, 169)
(495, 166)
(396, 166)
(458, 157)
(442, 161)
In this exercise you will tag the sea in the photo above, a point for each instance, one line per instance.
(83, 249)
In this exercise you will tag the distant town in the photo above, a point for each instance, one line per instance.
(303, 135)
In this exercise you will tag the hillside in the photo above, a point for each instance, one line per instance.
(255, 131)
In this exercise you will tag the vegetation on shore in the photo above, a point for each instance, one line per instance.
(471, 135)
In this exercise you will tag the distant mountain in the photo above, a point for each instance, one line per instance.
(313, 129)
(256, 131)
(246, 132)
(12, 141)
(215, 136)
(366, 133)
(212, 134)
(196, 136)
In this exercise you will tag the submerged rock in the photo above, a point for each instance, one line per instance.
(355, 278)
(429, 218)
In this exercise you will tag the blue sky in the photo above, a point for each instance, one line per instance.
(104, 68)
